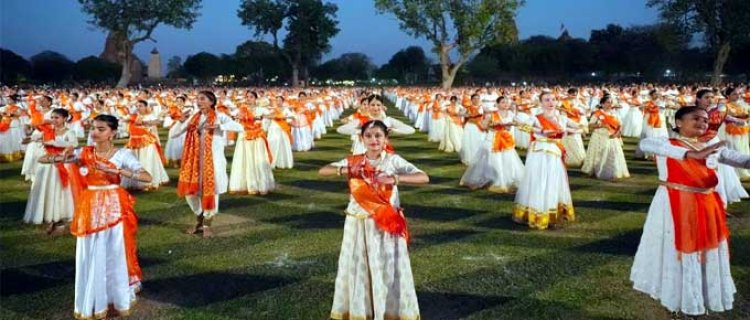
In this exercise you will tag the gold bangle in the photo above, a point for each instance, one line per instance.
(395, 179)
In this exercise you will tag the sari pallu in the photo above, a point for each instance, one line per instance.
(101, 204)
(375, 198)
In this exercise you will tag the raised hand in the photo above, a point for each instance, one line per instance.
(705, 152)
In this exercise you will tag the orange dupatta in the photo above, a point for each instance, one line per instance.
(280, 120)
(253, 129)
(652, 112)
(608, 121)
(375, 198)
(551, 125)
(570, 111)
(734, 110)
(141, 137)
(698, 214)
(190, 169)
(503, 138)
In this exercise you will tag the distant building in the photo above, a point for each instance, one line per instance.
(154, 65)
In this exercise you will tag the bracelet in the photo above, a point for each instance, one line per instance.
(395, 179)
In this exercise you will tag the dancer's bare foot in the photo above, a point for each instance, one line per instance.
(195, 229)
(207, 233)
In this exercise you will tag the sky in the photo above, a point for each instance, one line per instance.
(28, 27)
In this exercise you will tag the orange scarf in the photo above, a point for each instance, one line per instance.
(551, 125)
(608, 121)
(735, 110)
(91, 211)
(375, 198)
(699, 218)
(48, 134)
(141, 137)
(280, 120)
(361, 117)
(571, 112)
(503, 138)
(652, 112)
(254, 130)
(190, 169)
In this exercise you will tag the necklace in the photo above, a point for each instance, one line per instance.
(104, 155)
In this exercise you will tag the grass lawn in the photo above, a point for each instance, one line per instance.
(275, 256)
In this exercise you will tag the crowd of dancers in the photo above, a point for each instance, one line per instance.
(698, 137)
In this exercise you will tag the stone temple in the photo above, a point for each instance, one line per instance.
(154, 65)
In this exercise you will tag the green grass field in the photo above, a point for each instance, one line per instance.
(275, 257)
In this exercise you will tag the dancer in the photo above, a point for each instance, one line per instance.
(473, 134)
(543, 198)
(251, 163)
(737, 126)
(497, 163)
(605, 159)
(144, 142)
(51, 197)
(108, 275)
(574, 150)
(203, 174)
(683, 257)
(453, 129)
(374, 279)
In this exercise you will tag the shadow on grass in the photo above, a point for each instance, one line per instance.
(442, 214)
(612, 205)
(444, 305)
(624, 244)
(34, 278)
(12, 210)
(207, 288)
(319, 185)
(442, 237)
(313, 220)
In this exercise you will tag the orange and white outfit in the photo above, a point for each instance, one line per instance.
(203, 170)
(251, 164)
(605, 158)
(11, 133)
(145, 145)
(51, 196)
(737, 132)
(108, 274)
(280, 137)
(473, 134)
(654, 123)
(497, 164)
(683, 257)
(575, 150)
(453, 128)
(543, 197)
(374, 278)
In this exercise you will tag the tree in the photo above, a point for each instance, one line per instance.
(408, 65)
(174, 66)
(13, 68)
(259, 60)
(95, 70)
(203, 66)
(133, 21)
(349, 66)
(473, 24)
(310, 24)
(723, 23)
(50, 66)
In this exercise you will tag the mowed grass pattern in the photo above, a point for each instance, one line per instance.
(275, 256)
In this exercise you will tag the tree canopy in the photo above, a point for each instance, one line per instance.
(723, 24)
(462, 26)
(133, 21)
(309, 26)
